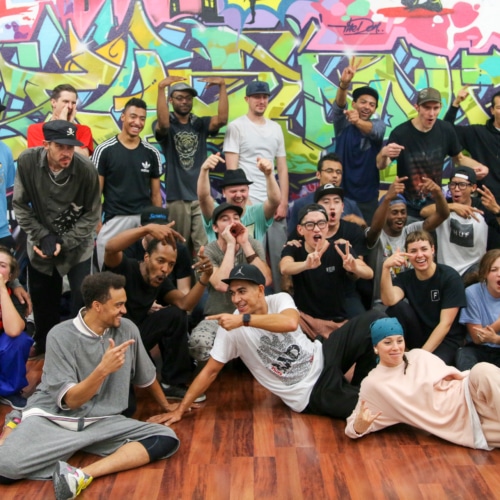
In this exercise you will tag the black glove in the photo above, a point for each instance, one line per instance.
(48, 244)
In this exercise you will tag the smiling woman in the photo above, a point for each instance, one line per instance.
(433, 292)
(460, 407)
(481, 314)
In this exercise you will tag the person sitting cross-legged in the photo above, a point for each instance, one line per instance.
(90, 362)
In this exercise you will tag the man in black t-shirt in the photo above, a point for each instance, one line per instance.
(148, 282)
(420, 147)
(182, 272)
(183, 138)
(129, 175)
(321, 271)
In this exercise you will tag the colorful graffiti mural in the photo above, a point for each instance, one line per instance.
(112, 50)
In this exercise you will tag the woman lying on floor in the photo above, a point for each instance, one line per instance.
(419, 389)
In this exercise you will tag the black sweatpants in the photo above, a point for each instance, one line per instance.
(168, 328)
(332, 394)
(46, 291)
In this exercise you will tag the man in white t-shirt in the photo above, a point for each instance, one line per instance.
(463, 238)
(264, 332)
(254, 136)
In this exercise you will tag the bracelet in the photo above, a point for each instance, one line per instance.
(201, 283)
(340, 85)
(251, 258)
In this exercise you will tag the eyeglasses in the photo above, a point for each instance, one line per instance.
(460, 185)
(183, 98)
(310, 225)
(331, 171)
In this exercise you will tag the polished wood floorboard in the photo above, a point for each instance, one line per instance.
(244, 444)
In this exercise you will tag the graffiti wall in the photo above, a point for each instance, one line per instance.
(112, 50)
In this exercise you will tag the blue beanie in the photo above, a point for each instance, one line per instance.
(385, 327)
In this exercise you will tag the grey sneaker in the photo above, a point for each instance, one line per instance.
(69, 481)
(17, 401)
(178, 392)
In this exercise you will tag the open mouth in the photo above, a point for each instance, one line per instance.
(317, 238)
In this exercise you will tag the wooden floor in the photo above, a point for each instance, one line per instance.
(244, 444)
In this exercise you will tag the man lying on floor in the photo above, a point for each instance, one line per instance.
(90, 363)
(264, 332)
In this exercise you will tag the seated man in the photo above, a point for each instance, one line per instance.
(462, 239)
(90, 363)
(388, 230)
(331, 198)
(232, 247)
(148, 281)
(264, 332)
(319, 265)
(330, 171)
(235, 189)
(15, 343)
(182, 272)
(434, 294)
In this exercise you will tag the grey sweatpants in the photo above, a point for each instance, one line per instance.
(35, 446)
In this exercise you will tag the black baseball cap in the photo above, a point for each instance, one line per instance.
(246, 272)
(222, 208)
(154, 215)
(328, 189)
(466, 173)
(257, 87)
(62, 132)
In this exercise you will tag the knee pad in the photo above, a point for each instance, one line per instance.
(159, 447)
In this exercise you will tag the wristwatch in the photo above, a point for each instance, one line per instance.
(246, 320)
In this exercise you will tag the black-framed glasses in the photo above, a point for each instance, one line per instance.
(332, 170)
(310, 225)
(460, 185)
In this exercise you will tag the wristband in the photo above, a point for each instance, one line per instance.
(340, 85)
(251, 258)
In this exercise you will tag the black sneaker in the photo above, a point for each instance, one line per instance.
(178, 392)
(17, 401)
